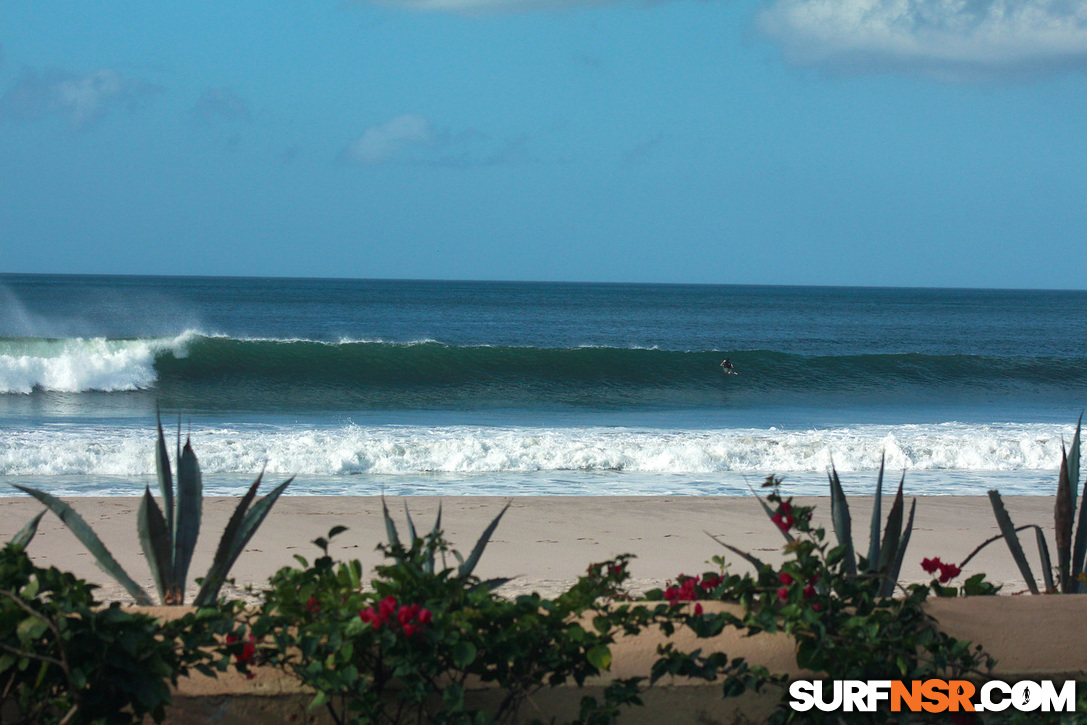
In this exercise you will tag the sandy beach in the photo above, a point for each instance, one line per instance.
(545, 542)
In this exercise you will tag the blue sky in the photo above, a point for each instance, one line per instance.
(859, 142)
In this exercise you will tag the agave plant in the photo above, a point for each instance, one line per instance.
(885, 553)
(1071, 552)
(465, 567)
(169, 539)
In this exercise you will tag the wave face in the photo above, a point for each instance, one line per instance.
(215, 372)
(412, 451)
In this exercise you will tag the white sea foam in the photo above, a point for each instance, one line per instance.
(405, 451)
(77, 364)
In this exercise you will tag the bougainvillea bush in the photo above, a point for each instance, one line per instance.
(843, 624)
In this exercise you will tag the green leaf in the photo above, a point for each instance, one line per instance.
(390, 526)
(469, 566)
(896, 564)
(163, 474)
(1046, 564)
(27, 532)
(599, 657)
(1007, 528)
(236, 536)
(155, 541)
(190, 495)
(30, 630)
(893, 531)
(877, 515)
(840, 518)
(1062, 523)
(89, 539)
(464, 653)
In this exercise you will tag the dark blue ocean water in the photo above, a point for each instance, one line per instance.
(427, 386)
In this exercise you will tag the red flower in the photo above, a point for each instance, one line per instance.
(370, 616)
(424, 616)
(248, 649)
(783, 594)
(784, 521)
(931, 565)
(386, 607)
(698, 609)
(312, 606)
(410, 629)
(785, 579)
(948, 572)
(817, 607)
(809, 591)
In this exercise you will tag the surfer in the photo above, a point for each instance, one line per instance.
(727, 367)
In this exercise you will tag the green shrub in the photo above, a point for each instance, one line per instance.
(64, 658)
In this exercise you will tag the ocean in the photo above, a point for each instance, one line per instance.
(508, 388)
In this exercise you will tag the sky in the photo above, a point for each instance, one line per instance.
(828, 142)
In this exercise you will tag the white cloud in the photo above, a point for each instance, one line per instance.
(81, 99)
(390, 139)
(951, 39)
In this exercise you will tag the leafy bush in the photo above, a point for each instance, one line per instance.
(66, 659)
(843, 622)
(169, 539)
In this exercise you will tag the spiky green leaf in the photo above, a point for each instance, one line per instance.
(1007, 528)
(390, 525)
(842, 522)
(743, 554)
(466, 568)
(190, 496)
(900, 554)
(1062, 522)
(236, 536)
(25, 534)
(89, 539)
(1046, 564)
(154, 535)
(164, 476)
(893, 531)
(877, 516)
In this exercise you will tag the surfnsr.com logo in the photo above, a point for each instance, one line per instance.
(932, 696)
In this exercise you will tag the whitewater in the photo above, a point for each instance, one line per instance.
(459, 388)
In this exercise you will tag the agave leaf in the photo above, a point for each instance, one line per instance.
(1079, 550)
(491, 584)
(839, 516)
(239, 530)
(89, 539)
(187, 524)
(1073, 463)
(411, 524)
(770, 514)
(747, 557)
(877, 516)
(27, 532)
(1007, 528)
(154, 535)
(893, 532)
(1047, 566)
(428, 565)
(896, 563)
(1062, 522)
(165, 477)
(390, 525)
(219, 567)
(466, 568)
